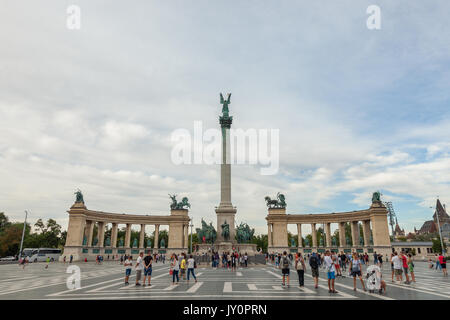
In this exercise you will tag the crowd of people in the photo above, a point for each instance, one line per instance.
(331, 262)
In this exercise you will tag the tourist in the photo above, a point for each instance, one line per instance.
(121, 259)
(233, 261)
(139, 267)
(380, 260)
(411, 267)
(300, 267)
(246, 259)
(148, 268)
(314, 264)
(337, 264)
(392, 267)
(438, 264)
(128, 264)
(175, 267)
(331, 270)
(405, 266)
(375, 258)
(47, 262)
(183, 266)
(397, 264)
(356, 271)
(285, 263)
(191, 265)
(277, 261)
(430, 263)
(443, 264)
(64, 259)
(71, 259)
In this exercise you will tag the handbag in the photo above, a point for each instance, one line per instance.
(171, 271)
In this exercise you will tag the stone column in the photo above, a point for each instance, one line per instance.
(114, 235)
(328, 233)
(314, 235)
(101, 234)
(269, 236)
(75, 230)
(342, 234)
(90, 231)
(355, 233)
(128, 235)
(156, 244)
(299, 235)
(142, 236)
(186, 236)
(366, 232)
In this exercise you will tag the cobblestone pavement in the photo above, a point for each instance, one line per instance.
(106, 281)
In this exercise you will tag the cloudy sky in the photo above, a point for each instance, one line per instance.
(358, 110)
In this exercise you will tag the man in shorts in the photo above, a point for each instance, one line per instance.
(285, 263)
(314, 264)
(443, 263)
(405, 266)
(331, 269)
(398, 264)
(139, 267)
(148, 268)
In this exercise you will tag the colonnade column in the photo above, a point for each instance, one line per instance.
(156, 236)
(90, 231)
(101, 234)
(342, 234)
(366, 232)
(355, 233)
(314, 235)
(142, 236)
(299, 235)
(128, 235)
(114, 235)
(186, 236)
(269, 235)
(328, 233)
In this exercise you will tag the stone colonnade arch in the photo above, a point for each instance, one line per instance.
(373, 219)
(82, 222)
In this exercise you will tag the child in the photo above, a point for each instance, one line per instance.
(128, 263)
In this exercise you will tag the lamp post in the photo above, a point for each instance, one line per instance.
(23, 234)
(191, 225)
(439, 228)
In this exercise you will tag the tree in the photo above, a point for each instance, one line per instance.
(261, 242)
(437, 248)
(4, 222)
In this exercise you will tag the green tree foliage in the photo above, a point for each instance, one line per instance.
(261, 242)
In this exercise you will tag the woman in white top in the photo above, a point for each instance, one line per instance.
(191, 266)
(175, 265)
(356, 271)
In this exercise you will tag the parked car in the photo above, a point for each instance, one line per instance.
(9, 258)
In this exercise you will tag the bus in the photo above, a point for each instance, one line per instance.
(41, 254)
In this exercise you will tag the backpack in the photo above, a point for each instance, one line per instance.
(285, 262)
(313, 262)
(299, 265)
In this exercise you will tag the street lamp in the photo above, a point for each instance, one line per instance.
(439, 227)
(192, 225)
(23, 234)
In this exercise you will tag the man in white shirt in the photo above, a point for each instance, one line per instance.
(139, 267)
(331, 270)
(398, 264)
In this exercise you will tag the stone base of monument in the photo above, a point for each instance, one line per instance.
(278, 250)
(249, 248)
(224, 246)
(204, 248)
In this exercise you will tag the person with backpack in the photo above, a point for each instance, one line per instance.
(300, 267)
(285, 263)
(314, 264)
(356, 271)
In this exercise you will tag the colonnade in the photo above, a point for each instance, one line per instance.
(82, 222)
(373, 220)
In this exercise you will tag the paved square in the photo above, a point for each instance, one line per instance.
(106, 281)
